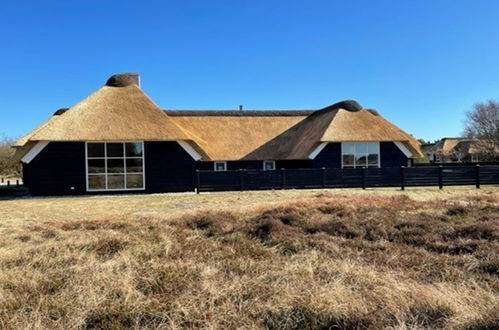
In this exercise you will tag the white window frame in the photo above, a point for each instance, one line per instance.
(215, 166)
(124, 169)
(269, 161)
(360, 142)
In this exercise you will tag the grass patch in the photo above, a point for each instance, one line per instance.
(323, 261)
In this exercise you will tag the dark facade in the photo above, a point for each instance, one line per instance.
(391, 156)
(168, 167)
(329, 157)
(257, 164)
(59, 169)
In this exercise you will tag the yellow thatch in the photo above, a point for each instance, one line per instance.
(111, 114)
(121, 111)
(234, 137)
(273, 137)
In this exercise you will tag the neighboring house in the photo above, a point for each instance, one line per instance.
(118, 139)
(456, 150)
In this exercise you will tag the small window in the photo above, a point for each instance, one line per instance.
(220, 166)
(269, 165)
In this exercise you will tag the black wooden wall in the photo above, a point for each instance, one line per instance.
(391, 156)
(329, 157)
(168, 167)
(257, 164)
(59, 169)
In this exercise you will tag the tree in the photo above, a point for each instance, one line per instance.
(8, 167)
(482, 123)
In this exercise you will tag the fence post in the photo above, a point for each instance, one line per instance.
(2, 180)
(17, 183)
(283, 171)
(8, 182)
(198, 181)
(477, 176)
(323, 177)
(363, 178)
(402, 177)
(241, 179)
(440, 177)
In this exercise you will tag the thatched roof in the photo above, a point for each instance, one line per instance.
(451, 145)
(445, 146)
(121, 111)
(111, 114)
(239, 137)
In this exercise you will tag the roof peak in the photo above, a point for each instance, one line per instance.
(123, 80)
(349, 105)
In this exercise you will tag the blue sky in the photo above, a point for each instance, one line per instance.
(421, 64)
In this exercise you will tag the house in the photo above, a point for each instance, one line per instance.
(118, 139)
(457, 150)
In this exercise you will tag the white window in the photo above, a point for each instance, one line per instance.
(360, 154)
(115, 166)
(269, 165)
(220, 166)
(474, 158)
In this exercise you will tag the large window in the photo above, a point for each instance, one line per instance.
(115, 166)
(360, 154)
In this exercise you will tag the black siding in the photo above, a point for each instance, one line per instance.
(257, 164)
(169, 168)
(61, 165)
(329, 157)
(57, 168)
(391, 156)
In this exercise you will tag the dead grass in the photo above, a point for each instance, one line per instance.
(325, 260)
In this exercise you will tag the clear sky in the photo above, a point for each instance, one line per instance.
(421, 64)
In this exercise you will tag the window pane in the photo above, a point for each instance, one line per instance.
(134, 181)
(134, 165)
(133, 149)
(95, 149)
(372, 148)
(269, 166)
(360, 148)
(219, 166)
(114, 149)
(348, 148)
(347, 160)
(96, 166)
(373, 159)
(115, 166)
(360, 160)
(96, 182)
(115, 181)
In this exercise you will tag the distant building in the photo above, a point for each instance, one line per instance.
(457, 150)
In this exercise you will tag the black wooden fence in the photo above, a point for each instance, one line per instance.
(346, 178)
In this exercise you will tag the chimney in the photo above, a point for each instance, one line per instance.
(241, 107)
(123, 80)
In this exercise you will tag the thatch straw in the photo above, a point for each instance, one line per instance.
(292, 137)
(127, 114)
(112, 114)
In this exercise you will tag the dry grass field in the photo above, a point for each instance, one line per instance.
(324, 259)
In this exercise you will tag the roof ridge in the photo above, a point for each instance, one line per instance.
(239, 113)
